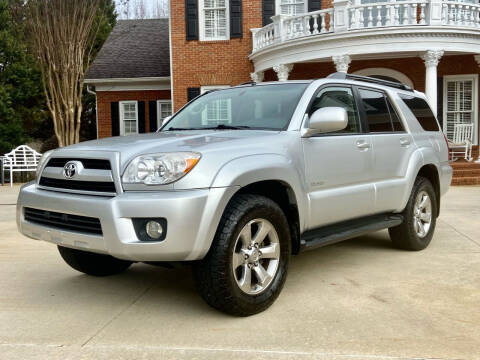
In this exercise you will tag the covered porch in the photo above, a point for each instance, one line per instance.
(431, 45)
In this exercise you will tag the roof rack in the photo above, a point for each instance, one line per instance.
(345, 76)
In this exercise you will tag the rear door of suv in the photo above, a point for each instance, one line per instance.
(392, 146)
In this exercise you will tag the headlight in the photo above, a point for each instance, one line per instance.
(159, 169)
(42, 160)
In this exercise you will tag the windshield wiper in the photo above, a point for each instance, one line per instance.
(218, 127)
(227, 127)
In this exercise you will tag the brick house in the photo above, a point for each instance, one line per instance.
(148, 67)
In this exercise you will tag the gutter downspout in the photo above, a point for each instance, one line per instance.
(96, 106)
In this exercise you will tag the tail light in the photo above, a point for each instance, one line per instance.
(448, 147)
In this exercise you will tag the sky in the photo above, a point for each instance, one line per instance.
(135, 9)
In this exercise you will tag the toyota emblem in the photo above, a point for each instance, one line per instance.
(70, 169)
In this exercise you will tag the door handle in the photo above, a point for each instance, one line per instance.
(404, 142)
(362, 144)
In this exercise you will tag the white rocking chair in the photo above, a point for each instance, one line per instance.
(461, 144)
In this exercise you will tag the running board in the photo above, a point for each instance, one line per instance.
(332, 234)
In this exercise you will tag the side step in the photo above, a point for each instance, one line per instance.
(331, 234)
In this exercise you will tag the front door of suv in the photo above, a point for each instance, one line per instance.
(338, 166)
(392, 148)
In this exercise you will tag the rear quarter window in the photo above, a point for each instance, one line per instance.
(420, 108)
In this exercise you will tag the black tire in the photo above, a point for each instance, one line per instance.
(92, 263)
(214, 275)
(404, 236)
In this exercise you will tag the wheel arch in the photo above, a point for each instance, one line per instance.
(430, 172)
(281, 193)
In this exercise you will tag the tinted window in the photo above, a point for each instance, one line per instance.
(397, 124)
(339, 97)
(376, 109)
(420, 108)
(258, 107)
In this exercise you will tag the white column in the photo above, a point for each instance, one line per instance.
(432, 58)
(342, 62)
(283, 70)
(257, 76)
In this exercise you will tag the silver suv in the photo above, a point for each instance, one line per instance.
(239, 179)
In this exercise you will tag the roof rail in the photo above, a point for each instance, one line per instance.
(345, 76)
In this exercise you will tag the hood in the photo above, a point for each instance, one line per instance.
(203, 141)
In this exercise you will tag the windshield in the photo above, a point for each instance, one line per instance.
(268, 107)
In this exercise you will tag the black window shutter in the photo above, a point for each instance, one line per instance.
(268, 10)
(152, 115)
(141, 117)
(236, 18)
(440, 100)
(192, 93)
(191, 19)
(314, 5)
(115, 116)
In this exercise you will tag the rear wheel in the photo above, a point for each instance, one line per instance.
(92, 263)
(416, 231)
(246, 267)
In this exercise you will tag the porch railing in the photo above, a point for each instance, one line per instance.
(347, 17)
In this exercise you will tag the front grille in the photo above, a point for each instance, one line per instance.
(98, 164)
(82, 224)
(96, 186)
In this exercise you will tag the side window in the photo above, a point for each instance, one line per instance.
(339, 97)
(396, 122)
(376, 109)
(422, 112)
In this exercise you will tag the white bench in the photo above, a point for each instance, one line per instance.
(21, 159)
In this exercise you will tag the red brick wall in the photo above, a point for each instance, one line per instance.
(197, 63)
(104, 98)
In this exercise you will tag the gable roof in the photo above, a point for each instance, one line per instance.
(134, 49)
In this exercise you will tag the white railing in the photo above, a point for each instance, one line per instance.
(347, 17)
(460, 14)
(387, 14)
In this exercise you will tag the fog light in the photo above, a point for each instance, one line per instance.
(154, 229)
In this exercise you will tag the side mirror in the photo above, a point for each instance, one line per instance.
(165, 120)
(325, 120)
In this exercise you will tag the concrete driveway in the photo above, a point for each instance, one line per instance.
(360, 299)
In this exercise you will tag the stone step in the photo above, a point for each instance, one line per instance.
(467, 180)
(466, 172)
(465, 165)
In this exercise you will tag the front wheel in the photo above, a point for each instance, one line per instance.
(246, 267)
(420, 215)
(92, 263)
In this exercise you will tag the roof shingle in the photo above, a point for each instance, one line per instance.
(134, 49)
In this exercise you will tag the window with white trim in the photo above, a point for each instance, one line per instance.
(128, 117)
(217, 112)
(214, 20)
(460, 103)
(164, 110)
(291, 7)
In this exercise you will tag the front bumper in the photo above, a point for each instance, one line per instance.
(192, 216)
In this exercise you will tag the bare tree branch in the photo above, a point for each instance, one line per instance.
(62, 34)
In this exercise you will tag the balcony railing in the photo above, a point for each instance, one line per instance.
(347, 17)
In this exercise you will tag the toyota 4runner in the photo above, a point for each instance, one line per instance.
(239, 179)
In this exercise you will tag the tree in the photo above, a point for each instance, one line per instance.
(62, 34)
(21, 96)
